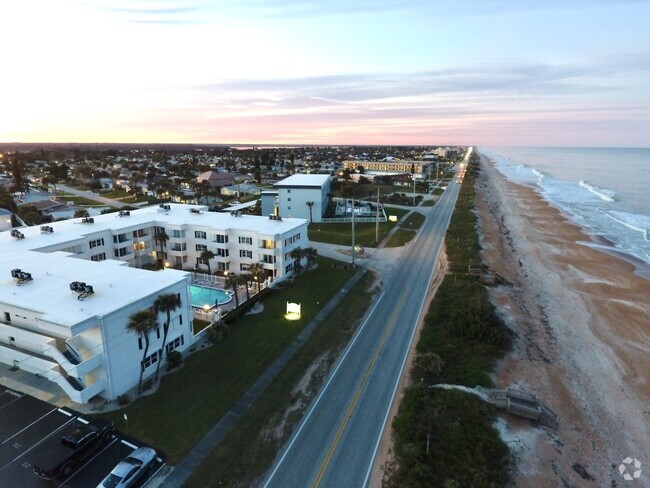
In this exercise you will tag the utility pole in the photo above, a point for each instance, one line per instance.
(377, 222)
(353, 243)
(413, 176)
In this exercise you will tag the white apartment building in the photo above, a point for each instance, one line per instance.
(81, 342)
(304, 196)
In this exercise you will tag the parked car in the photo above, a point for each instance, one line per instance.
(60, 453)
(130, 470)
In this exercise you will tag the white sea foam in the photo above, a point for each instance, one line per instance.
(615, 205)
(603, 193)
(638, 223)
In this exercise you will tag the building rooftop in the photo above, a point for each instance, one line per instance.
(115, 285)
(303, 180)
(75, 231)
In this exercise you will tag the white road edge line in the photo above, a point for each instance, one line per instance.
(320, 395)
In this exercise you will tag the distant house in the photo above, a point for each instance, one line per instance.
(240, 190)
(216, 179)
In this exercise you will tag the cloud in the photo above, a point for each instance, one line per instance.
(172, 12)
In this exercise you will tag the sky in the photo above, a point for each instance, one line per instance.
(341, 72)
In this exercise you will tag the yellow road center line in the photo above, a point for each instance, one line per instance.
(357, 394)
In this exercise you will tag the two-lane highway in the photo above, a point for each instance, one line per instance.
(336, 442)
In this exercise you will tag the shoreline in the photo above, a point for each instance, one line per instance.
(595, 239)
(577, 308)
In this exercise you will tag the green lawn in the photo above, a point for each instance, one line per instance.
(364, 231)
(248, 450)
(191, 400)
(77, 200)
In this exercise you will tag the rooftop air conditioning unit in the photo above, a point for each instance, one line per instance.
(88, 220)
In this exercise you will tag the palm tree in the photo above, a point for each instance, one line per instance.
(311, 254)
(232, 281)
(142, 323)
(245, 279)
(161, 238)
(257, 271)
(206, 256)
(166, 303)
(297, 255)
(310, 205)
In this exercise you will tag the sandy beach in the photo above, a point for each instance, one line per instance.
(582, 322)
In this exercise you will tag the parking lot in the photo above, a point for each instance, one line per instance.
(24, 423)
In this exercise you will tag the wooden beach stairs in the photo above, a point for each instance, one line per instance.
(523, 404)
(487, 276)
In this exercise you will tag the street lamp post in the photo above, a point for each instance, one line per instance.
(353, 243)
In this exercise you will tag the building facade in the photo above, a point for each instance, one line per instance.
(79, 341)
(419, 169)
(303, 196)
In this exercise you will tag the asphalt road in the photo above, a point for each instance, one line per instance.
(336, 442)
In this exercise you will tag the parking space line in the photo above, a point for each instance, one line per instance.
(127, 443)
(65, 412)
(27, 427)
(81, 467)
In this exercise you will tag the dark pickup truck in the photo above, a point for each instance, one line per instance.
(58, 454)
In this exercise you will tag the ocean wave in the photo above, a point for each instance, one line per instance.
(602, 193)
(636, 222)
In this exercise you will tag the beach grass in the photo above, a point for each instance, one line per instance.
(439, 433)
(191, 400)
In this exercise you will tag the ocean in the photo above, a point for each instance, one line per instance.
(604, 190)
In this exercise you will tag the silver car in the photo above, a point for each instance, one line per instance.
(130, 470)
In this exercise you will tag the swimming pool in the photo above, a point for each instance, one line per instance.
(200, 296)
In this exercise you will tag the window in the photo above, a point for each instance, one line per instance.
(98, 257)
(288, 191)
(175, 344)
(221, 239)
(244, 267)
(201, 247)
(244, 253)
(221, 266)
(150, 360)
(123, 251)
(179, 246)
(199, 234)
(222, 253)
(246, 240)
(268, 259)
(139, 233)
(178, 234)
(120, 238)
(96, 243)
(289, 199)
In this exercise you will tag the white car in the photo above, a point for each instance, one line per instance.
(130, 470)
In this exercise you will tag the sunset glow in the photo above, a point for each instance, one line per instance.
(335, 72)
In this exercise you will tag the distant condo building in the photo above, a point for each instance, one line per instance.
(419, 169)
(67, 289)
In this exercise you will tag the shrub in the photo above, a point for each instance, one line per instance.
(174, 360)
